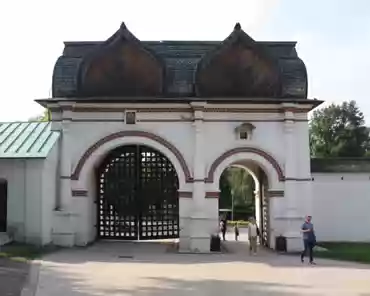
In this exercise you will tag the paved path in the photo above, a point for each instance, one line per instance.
(12, 277)
(111, 268)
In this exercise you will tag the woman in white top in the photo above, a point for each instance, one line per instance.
(253, 233)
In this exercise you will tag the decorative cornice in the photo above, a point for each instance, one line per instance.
(100, 109)
(176, 120)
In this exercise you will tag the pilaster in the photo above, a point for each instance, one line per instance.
(65, 168)
(292, 216)
(290, 162)
(204, 216)
(63, 220)
(199, 163)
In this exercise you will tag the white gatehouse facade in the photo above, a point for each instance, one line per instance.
(141, 133)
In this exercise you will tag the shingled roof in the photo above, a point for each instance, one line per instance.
(170, 68)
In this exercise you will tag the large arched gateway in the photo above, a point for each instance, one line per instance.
(137, 195)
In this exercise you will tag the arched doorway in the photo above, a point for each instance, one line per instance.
(137, 195)
(268, 177)
(244, 194)
(3, 204)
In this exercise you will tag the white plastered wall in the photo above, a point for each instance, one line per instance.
(24, 178)
(341, 207)
(218, 131)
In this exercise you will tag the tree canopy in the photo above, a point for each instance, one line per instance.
(339, 131)
(238, 185)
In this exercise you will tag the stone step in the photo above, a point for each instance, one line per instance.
(4, 238)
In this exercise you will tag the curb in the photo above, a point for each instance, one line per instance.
(30, 287)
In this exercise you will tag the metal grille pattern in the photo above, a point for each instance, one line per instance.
(137, 195)
(265, 219)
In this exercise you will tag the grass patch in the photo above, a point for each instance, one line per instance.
(24, 252)
(357, 252)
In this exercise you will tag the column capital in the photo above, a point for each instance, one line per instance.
(198, 125)
(288, 126)
(65, 126)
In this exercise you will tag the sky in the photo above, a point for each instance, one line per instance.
(333, 39)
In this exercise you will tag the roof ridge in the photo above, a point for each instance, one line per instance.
(24, 121)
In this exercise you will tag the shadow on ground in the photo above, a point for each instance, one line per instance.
(166, 286)
(159, 252)
(12, 277)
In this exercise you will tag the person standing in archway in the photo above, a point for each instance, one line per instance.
(223, 227)
(253, 234)
(309, 239)
(236, 230)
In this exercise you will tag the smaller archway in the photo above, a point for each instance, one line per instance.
(243, 194)
(137, 195)
(266, 172)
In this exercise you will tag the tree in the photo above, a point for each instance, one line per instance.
(238, 185)
(242, 186)
(339, 131)
(225, 191)
(44, 117)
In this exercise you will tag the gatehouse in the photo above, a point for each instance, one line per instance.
(141, 132)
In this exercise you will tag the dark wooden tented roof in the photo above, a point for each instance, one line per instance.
(123, 67)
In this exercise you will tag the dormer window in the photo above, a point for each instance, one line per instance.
(130, 117)
(243, 135)
(244, 131)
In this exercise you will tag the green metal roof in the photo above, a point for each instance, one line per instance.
(26, 139)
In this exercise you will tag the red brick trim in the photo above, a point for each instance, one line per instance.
(268, 157)
(275, 193)
(79, 193)
(298, 179)
(212, 194)
(185, 194)
(165, 143)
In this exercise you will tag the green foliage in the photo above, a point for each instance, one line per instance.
(44, 117)
(242, 186)
(240, 223)
(339, 131)
(24, 252)
(237, 184)
(357, 252)
(225, 191)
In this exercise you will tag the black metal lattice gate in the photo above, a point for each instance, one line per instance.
(137, 195)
